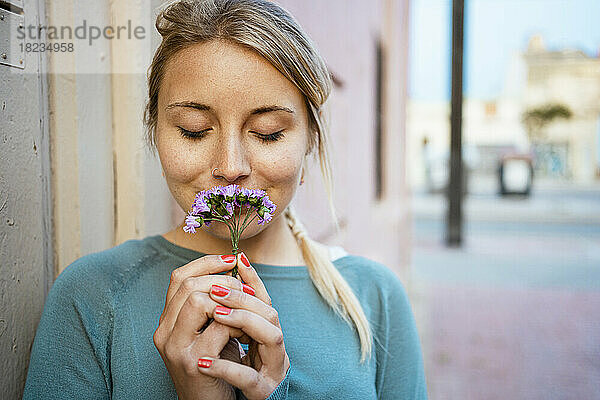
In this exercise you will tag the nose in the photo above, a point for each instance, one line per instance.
(231, 160)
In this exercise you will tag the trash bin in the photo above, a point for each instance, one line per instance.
(515, 174)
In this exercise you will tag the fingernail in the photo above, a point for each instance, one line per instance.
(222, 310)
(245, 260)
(219, 291)
(228, 258)
(247, 289)
(204, 362)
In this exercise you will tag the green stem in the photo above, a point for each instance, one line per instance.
(246, 218)
(213, 219)
(235, 239)
(229, 226)
(234, 244)
(234, 223)
(249, 222)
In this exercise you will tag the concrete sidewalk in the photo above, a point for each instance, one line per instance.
(485, 343)
(550, 201)
(513, 313)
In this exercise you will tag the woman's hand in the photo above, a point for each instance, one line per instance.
(267, 362)
(180, 337)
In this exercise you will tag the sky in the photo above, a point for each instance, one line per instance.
(494, 31)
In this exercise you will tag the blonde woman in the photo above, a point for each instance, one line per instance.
(236, 90)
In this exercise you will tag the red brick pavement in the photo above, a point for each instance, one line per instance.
(509, 343)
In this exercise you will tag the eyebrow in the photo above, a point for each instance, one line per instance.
(204, 107)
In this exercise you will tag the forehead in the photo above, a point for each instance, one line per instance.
(227, 76)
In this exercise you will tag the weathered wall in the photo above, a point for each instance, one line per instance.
(108, 187)
(81, 135)
(26, 267)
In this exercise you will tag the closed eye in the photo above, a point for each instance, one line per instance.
(271, 137)
(193, 135)
(200, 134)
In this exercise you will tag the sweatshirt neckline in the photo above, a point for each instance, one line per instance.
(263, 269)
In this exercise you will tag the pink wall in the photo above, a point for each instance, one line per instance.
(346, 32)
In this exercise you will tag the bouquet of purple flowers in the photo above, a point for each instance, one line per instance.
(227, 204)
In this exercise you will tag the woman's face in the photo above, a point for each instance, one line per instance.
(245, 118)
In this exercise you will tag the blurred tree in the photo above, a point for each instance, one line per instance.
(537, 118)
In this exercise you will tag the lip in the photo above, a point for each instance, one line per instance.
(246, 187)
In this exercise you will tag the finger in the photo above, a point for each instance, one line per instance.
(241, 376)
(255, 304)
(251, 278)
(194, 314)
(215, 339)
(203, 284)
(272, 353)
(233, 298)
(189, 285)
(205, 265)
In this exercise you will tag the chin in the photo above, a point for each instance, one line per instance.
(220, 230)
(252, 230)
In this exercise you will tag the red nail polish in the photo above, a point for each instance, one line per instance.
(219, 290)
(245, 260)
(222, 310)
(204, 362)
(248, 289)
(228, 258)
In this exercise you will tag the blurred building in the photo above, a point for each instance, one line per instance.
(490, 129)
(569, 148)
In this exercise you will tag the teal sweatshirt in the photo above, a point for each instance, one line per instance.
(95, 336)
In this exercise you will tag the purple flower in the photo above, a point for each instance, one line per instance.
(191, 223)
(246, 192)
(189, 229)
(213, 191)
(266, 219)
(242, 196)
(255, 198)
(192, 220)
(200, 205)
(269, 204)
(258, 193)
(229, 208)
(230, 190)
(219, 203)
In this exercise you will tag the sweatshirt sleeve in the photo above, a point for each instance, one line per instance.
(64, 362)
(400, 374)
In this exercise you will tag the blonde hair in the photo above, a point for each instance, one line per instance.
(272, 32)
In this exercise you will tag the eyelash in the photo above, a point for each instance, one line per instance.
(200, 134)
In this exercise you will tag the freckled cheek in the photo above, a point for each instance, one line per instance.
(279, 171)
(181, 165)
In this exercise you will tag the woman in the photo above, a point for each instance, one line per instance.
(236, 90)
